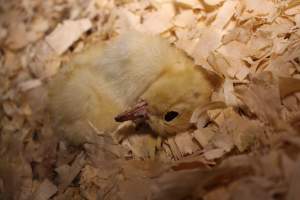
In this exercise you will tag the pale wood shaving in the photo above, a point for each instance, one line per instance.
(243, 132)
(230, 98)
(185, 19)
(189, 3)
(219, 63)
(260, 7)
(67, 173)
(159, 21)
(30, 84)
(17, 36)
(142, 145)
(66, 34)
(224, 142)
(185, 144)
(290, 102)
(213, 2)
(211, 37)
(127, 20)
(9, 108)
(214, 153)
(174, 148)
(45, 191)
(225, 13)
(292, 10)
(204, 136)
(3, 33)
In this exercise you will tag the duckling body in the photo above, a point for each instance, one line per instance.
(104, 80)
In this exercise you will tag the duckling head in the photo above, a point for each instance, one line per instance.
(168, 103)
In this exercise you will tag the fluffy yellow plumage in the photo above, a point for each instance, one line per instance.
(105, 80)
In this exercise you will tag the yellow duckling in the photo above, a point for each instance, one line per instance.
(158, 82)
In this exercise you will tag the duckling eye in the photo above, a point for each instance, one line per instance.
(169, 116)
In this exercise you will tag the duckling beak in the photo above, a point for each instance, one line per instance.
(138, 112)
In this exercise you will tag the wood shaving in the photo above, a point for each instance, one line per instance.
(185, 19)
(45, 191)
(18, 36)
(189, 3)
(214, 154)
(185, 144)
(243, 132)
(30, 84)
(224, 14)
(159, 21)
(204, 136)
(59, 41)
(213, 2)
(211, 37)
(142, 146)
(259, 8)
(68, 173)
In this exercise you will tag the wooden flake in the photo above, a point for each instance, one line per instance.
(213, 2)
(204, 136)
(45, 191)
(159, 21)
(214, 154)
(30, 84)
(209, 40)
(189, 3)
(185, 144)
(67, 33)
(185, 19)
(224, 14)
